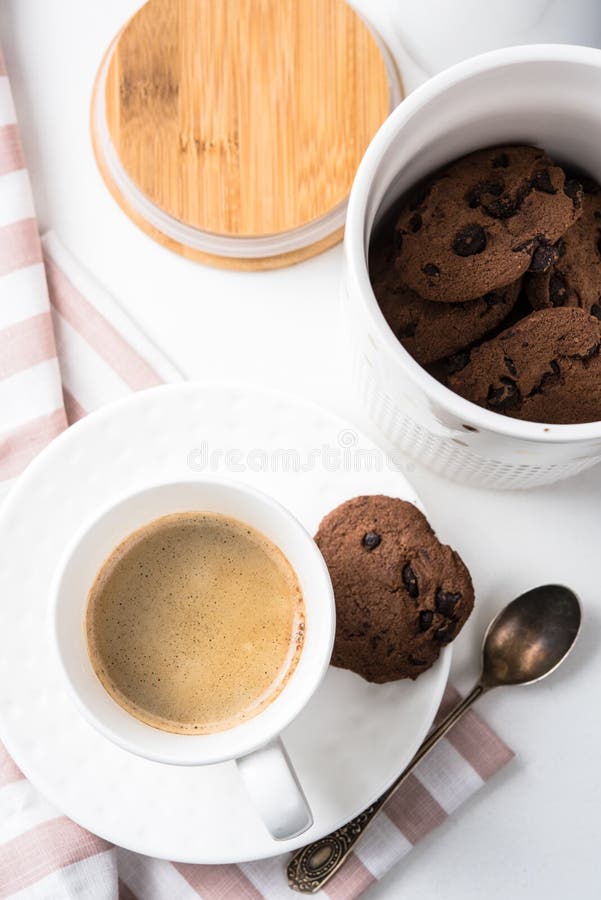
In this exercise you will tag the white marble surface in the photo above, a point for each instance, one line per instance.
(530, 834)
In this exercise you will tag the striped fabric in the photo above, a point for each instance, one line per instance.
(66, 348)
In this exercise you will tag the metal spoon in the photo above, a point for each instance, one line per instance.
(524, 643)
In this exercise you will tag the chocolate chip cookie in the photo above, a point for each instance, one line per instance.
(400, 594)
(482, 222)
(546, 368)
(430, 331)
(575, 279)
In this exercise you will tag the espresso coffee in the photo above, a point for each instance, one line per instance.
(195, 623)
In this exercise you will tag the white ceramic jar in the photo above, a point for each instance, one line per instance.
(548, 95)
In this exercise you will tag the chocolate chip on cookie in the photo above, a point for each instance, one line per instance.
(544, 255)
(398, 605)
(410, 581)
(483, 222)
(469, 240)
(371, 540)
(425, 619)
(446, 602)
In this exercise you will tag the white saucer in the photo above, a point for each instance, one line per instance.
(350, 741)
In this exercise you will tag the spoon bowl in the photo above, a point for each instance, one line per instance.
(531, 636)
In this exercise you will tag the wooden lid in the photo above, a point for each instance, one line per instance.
(240, 119)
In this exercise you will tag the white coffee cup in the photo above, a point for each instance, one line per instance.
(254, 744)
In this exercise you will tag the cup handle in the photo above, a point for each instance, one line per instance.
(275, 790)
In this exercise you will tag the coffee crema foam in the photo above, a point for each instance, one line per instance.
(195, 623)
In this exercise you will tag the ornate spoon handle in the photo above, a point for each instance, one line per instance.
(312, 866)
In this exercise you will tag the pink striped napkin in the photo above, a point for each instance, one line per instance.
(66, 348)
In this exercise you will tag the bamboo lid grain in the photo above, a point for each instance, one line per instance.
(231, 130)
